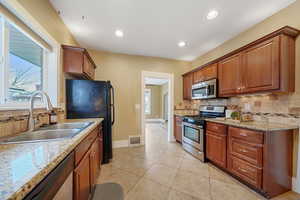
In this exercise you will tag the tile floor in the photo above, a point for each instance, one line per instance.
(163, 171)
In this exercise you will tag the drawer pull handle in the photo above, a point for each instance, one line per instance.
(243, 170)
(243, 134)
(243, 150)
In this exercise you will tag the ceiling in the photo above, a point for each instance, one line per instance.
(154, 27)
(155, 81)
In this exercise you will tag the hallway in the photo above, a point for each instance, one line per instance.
(163, 171)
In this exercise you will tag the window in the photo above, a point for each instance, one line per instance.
(22, 65)
(147, 101)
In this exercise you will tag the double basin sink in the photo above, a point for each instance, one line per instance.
(51, 132)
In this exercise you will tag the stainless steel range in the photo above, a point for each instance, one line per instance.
(193, 130)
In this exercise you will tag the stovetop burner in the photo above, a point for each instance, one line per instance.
(205, 112)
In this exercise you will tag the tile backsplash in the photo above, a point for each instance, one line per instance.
(285, 108)
(16, 121)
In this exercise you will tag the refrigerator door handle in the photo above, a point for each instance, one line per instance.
(113, 104)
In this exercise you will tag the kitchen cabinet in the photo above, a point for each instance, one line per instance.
(178, 128)
(88, 154)
(229, 75)
(264, 65)
(77, 62)
(245, 154)
(260, 159)
(94, 162)
(187, 86)
(82, 180)
(216, 144)
(261, 67)
(206, 73)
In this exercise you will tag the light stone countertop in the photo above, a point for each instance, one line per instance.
(256, 125)
(23, 166)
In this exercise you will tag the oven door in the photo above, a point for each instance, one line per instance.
(193, 135)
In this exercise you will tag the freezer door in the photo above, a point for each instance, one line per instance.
(87, 99)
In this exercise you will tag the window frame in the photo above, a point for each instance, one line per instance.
(49, 59)
(150, 95)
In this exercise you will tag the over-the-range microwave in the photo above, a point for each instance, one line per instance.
(205, 90)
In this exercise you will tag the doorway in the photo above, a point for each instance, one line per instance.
(152, 111)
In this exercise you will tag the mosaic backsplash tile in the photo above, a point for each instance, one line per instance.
(16, 121)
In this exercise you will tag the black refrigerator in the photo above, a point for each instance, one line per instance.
(93, 99)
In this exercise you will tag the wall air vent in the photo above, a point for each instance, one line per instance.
(134, 140)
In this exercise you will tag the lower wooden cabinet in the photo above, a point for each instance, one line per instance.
(187, 86)
(243, 169)
(94, 162)
(88, 168)
(178, 128)
(260, 159)
(216, 148)
(82, 186)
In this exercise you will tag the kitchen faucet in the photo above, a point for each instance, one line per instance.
(31, 122)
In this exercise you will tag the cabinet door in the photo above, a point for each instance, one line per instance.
(210, 72)
(187, 86)
(198, 76)
(261, 67)
(94, 162)
(73, 61)
(229, 76)
(82, 181)
(88, 67)
(178, 128)
(216, 148)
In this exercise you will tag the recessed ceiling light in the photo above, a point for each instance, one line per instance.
(212, 14)
(181, 44)
(119, 33)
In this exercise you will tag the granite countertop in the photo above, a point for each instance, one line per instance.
(256, 125)
(23, 166)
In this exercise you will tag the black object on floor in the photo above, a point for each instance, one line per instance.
(108, 191)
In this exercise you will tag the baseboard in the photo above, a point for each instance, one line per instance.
(120, 143)
(156, 120)
(295, 185)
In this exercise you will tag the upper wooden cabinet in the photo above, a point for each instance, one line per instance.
(205, 73)
(187, 86)
(266, 65)
(78, 62)
(261, 67)
(229, 75)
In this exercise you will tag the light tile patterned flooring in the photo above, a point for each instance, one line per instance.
(163, 171)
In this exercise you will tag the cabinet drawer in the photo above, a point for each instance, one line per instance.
(216, 128)
(247, 135)
(246, 171)
(84, 145)
(253, 153)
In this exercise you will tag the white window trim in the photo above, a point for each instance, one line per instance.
(148, 90)
(51, 63)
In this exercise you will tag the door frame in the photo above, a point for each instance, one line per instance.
(170, 78)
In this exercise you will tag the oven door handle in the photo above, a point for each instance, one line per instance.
(192, 125)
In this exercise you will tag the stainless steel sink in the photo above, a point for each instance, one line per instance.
(66, 126)
(53, 132)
